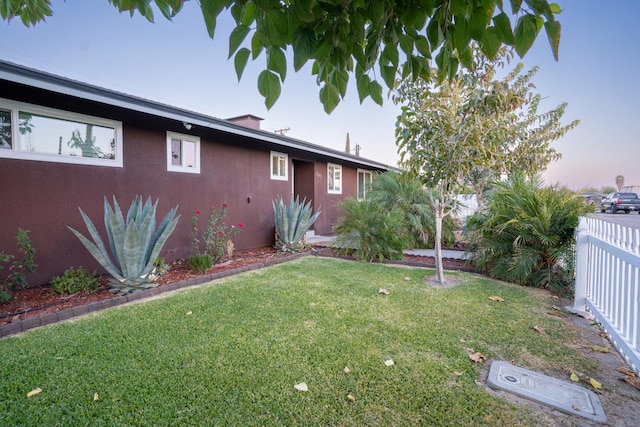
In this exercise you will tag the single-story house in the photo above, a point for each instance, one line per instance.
(66, 145)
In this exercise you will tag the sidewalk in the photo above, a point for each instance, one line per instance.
(318, 240)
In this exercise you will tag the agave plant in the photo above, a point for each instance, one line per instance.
(135, 243)
(292, 222)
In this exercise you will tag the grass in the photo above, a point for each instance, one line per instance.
(250, 338)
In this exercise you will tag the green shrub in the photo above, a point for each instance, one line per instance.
(200, 263)
(525, 234)
(135, 243)
(75, 280)
(16, 277)
(292, 222)
(399, 190)
(369, 231)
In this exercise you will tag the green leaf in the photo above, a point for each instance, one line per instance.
(503, 28)
(276, 26)
(304, 44)
(390, 55)
(329, 97)
(422, 44)
(406, 43)
(276, 61)
(240, 61)
(553, 34)
(375, 91)
(269, 87)
(478, 22)
(236, 38)
(461, 36)
(363, 82)
(515, 6)
(490, 43)
(256, 45)
(555, 8)
(388, 74)
(466, 58)
(526, 32)
(434, 34)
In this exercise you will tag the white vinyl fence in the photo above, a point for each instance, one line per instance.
(607, 282)
(467, 206)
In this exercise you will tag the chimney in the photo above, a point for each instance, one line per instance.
(247, 120)
(347, 147)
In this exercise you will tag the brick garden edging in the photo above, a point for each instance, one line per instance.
(68, 313)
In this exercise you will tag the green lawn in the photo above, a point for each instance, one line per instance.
(250, 338)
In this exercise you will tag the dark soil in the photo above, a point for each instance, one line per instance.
(41, 300)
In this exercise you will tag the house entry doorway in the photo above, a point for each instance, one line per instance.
(303, 180)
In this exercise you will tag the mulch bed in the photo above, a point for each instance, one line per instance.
(41, 300)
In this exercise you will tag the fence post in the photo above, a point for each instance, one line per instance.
(582, 265)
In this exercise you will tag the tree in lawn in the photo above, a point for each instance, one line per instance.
(352, 37)
(448, 132)
(619, 182)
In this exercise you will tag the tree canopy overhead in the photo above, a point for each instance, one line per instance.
(374, 40)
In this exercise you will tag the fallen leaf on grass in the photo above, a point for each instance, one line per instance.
(599, 348)
(539, 330)
(189, 313)
(383, 291)
(301, 387)
(555, 307)
(346, 370)
(457, 374)
(351, 398)
(626, 372)
(496, 298)
(34, 392)
(95, 396)
(389, 362)
(407, 279)
(633, 380)
(477, 357)
(595, 384)
(575, 378)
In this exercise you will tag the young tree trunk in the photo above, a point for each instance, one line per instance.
(438, 244)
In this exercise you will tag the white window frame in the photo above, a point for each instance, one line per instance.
(277, 174)
(14, 153)
(181, 168)
(365, 172)
(335, 168)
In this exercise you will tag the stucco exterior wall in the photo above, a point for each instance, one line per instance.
(44, 197)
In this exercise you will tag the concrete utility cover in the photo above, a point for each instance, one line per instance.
(562, 395)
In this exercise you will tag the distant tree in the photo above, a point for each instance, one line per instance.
(368, 39)
(619, 182)
(608, 189)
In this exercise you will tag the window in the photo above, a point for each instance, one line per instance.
(279, 166)
(364, 183)
(183, 153)
(32, 132)
(334, 179)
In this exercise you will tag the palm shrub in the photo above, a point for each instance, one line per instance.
(370, 231)
(134, 243)
(525, 234)
(292, 222)
(399, 190)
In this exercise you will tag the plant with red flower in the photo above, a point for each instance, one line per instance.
(240, 225)
(217, 237)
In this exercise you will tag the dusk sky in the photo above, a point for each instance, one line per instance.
(175, 62)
